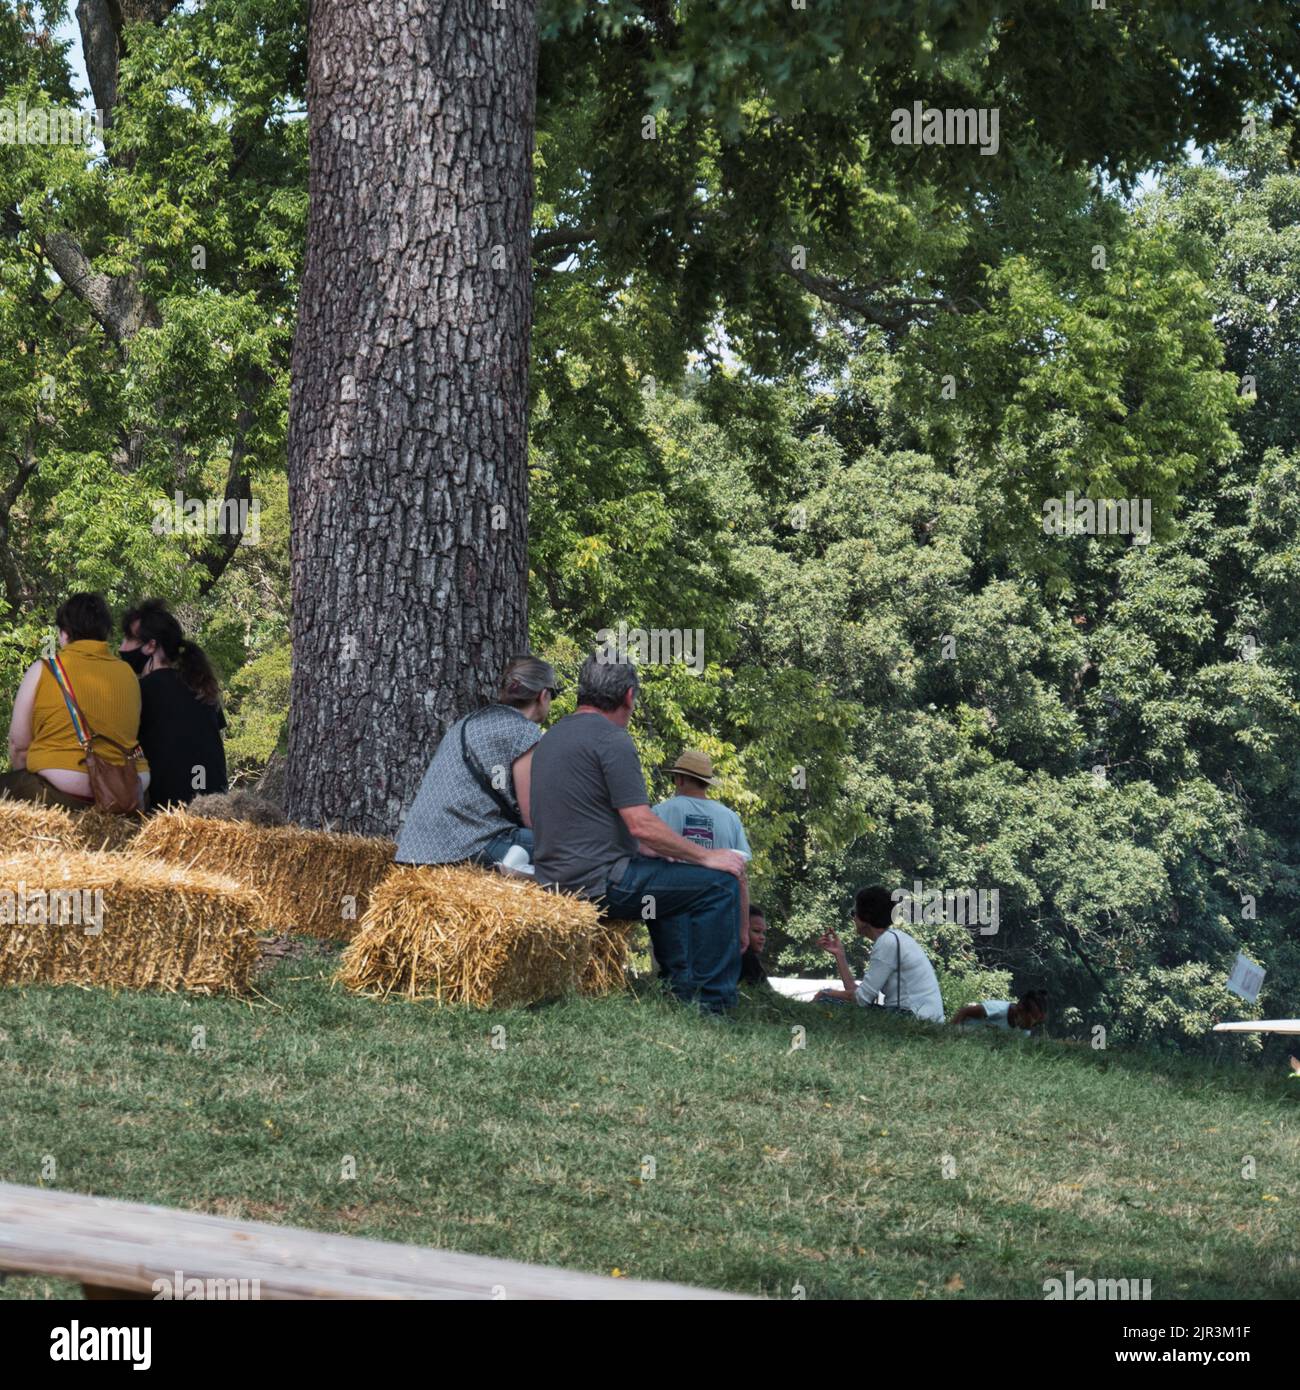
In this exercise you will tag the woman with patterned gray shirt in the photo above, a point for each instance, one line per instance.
(473, 803)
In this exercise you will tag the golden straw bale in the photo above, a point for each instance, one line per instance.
(103, 830)
(606, 970)
(464, 935)
(86, 918)
(29, 826)
(312, 881)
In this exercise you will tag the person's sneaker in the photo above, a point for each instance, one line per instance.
(515, 870)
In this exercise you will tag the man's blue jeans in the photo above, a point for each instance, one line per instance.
(694, 924)
(496, 849)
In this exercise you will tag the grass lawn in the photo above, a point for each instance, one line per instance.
(773, 1169)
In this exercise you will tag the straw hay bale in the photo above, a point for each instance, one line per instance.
(30, 825)
(606, 969)
(312, 881)
(162, 927)
(463, 935)
(103, 830)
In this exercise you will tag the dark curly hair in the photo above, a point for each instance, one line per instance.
(85, 618)
(153, 621)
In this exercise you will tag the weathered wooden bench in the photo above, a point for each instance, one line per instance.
(125, 1249)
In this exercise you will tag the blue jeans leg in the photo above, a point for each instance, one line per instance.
(695, 925)
(496, 850)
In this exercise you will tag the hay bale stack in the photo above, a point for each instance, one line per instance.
(468, 936)
(159, 926)
(606, 970)
(312, 881)
(27, 826)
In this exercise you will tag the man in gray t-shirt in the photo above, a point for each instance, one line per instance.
(590, 771)
(474, 801)
(593, 827)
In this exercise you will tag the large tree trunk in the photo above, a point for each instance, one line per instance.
(408, 417)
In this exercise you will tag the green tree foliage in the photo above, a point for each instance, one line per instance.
(146, 313)
(1103, 730)
(716, 141)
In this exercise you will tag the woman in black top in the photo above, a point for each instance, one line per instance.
(180, 707)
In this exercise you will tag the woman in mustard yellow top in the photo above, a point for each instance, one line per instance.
(47, 761)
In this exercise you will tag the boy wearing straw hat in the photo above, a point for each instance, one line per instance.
(704, 821)
(691, 812)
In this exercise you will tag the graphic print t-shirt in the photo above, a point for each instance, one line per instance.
(710, 824)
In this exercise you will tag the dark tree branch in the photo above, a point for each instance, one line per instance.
(893, 312)
(103, 44)
(239, 486)
(117, 303)
(26, 467)
(559, 237)
(9, 575)
(99, 47)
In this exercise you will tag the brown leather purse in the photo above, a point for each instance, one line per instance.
(115, 788)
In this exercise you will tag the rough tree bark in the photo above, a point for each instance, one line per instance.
(408, 412)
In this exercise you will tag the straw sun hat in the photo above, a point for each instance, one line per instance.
(693, 763)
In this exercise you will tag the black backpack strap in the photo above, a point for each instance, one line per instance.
(508, 809)
(898, 970)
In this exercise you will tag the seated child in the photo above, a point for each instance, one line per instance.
(708, 823)
(752, 970)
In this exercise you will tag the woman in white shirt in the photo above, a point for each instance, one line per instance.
(899, 973)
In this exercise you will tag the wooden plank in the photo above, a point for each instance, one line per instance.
(129, 1245)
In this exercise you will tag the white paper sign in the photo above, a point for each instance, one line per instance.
(1247, 978)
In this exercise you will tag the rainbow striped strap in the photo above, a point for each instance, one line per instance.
(74, 710)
